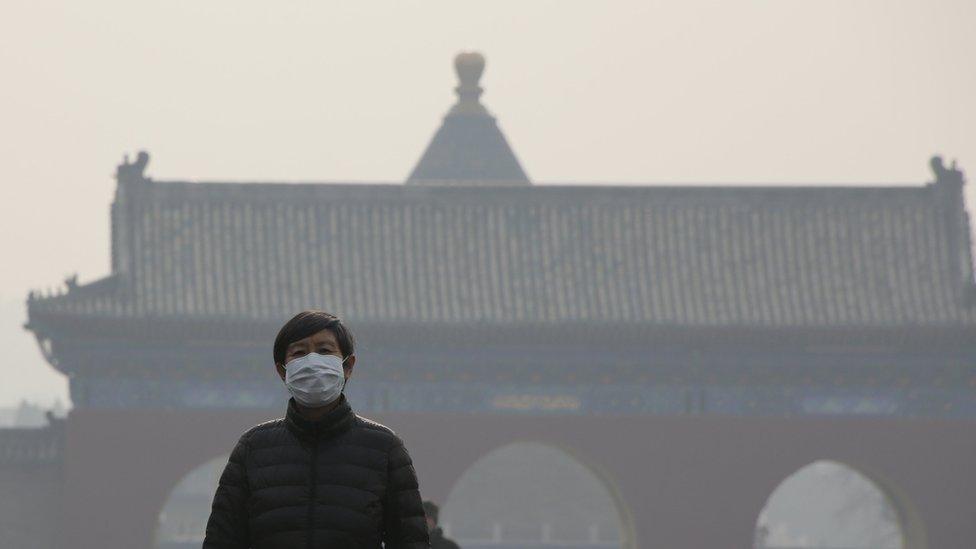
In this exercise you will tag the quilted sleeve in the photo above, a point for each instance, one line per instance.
(228, 524)
(404, 525)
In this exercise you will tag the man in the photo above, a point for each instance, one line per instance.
(437, 539)
(322, 477)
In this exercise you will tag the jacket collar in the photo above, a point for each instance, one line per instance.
(336, 421)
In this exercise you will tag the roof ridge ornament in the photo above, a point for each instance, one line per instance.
(469, 66)
(128, 172)
(951, 175)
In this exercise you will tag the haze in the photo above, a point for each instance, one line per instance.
(790, 91)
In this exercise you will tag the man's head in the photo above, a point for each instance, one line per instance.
(431, 511)
(314, 332)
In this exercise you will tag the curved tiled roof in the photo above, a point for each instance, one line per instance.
(675, 256)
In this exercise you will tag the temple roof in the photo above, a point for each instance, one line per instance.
(651, 255)
(468, 148)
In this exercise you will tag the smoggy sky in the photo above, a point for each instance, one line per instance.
(730, 91)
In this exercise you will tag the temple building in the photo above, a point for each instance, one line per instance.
(579, 285)
(474, 291)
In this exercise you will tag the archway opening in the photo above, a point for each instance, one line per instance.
(829, 505)
(183, 519)
(532, 496)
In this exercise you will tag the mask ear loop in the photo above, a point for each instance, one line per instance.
(345, 380)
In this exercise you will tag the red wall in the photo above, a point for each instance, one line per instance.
(684, 482)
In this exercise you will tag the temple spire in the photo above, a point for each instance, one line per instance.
(469, 67)
(468, 148)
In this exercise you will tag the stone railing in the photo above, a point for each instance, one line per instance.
(31, 446)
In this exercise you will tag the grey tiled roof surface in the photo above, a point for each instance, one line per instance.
(676, 256)
(470, 150)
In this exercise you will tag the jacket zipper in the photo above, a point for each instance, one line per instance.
(313, 482)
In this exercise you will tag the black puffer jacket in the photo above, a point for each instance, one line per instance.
(343, 482)
(438, 541)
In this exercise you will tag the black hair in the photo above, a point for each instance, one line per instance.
(311, 322)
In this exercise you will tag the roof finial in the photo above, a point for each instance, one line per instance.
(133, 171)
(468, 148)
(944, 175)
(469, 66)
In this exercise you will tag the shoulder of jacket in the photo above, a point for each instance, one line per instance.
(271, 425)
(369, 424)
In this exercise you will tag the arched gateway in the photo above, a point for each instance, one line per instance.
(831, 504)
(694, 345)
(682, 481)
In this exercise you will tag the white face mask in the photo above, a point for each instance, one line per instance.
(315, 380)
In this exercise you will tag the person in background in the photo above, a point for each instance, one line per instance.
(322, 477)
(437, 539)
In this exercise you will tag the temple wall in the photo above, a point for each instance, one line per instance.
(31, 465)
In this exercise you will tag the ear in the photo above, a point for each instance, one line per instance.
(348, 365)
(280, 368)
